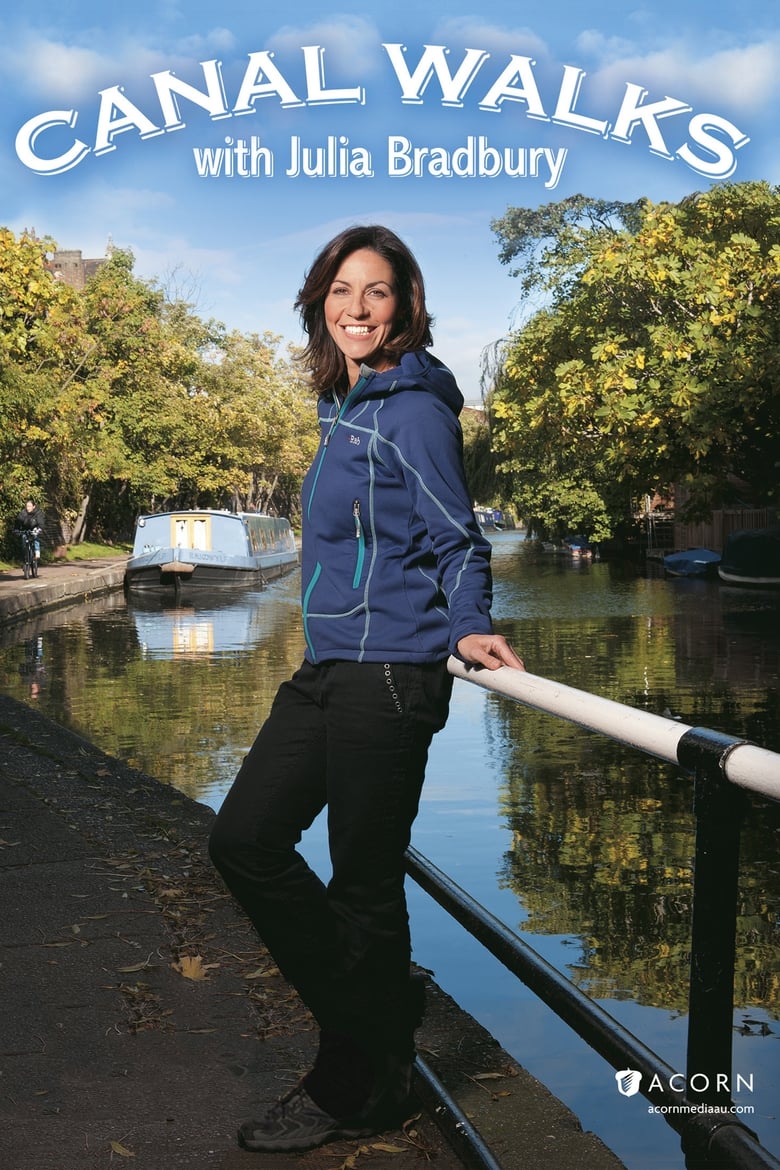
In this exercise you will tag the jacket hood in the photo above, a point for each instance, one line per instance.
(418, 370)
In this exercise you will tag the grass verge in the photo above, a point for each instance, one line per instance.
(78, 552)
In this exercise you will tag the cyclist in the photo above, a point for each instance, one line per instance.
(31, 519)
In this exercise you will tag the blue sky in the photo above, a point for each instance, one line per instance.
(596, 96)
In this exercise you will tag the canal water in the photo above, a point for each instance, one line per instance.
(580, 845)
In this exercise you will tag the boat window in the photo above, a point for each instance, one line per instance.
(191, 532)
(199, 534)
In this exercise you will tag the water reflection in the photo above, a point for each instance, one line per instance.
(216, 625)
(176, 692)
(600, 836)
(578, 843)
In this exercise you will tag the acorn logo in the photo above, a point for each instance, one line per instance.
(628, 1081)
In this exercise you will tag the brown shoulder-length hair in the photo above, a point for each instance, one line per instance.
(412, 325)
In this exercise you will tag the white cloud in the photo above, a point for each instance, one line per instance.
(595, 44)
(747, 77)
(54, 70)
(742, 79)
(352, 44)
(476, 34)
(219, 40)
(86, 218)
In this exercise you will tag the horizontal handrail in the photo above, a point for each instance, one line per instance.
(715, 1131)
(721, 765)
(459, 1131)
(743, 763)
(602, 1032)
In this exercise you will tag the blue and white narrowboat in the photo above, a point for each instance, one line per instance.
(190, 551)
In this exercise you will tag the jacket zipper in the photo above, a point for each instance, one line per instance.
(361, 548)
(339, 415)
(318, 567)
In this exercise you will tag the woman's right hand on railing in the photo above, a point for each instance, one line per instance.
(490, 650)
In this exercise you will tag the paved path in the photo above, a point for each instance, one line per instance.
(141, 1017)
(62, 583)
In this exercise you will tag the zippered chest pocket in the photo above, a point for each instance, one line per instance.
(360, 544)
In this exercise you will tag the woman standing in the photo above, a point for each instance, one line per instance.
(395, 578)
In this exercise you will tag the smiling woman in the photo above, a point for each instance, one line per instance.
(373, 264)
(360, 311)
(395, 577)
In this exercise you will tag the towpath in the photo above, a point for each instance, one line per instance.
(142, 1019)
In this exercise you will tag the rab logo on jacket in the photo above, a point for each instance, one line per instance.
(355, 440)
(628, 1081)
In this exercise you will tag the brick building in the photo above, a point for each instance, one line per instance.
(71, 267)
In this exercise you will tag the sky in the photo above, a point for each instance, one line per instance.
(194, 134)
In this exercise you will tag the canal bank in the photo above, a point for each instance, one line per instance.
(60, 583)
(144, 1018)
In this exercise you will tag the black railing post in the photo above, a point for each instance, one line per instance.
(719, 807)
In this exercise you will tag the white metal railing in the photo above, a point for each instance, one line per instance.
(745, 764)
(724, 768)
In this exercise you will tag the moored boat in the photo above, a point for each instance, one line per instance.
(751, 556)
(489, 519)
(191, 550)
(579, 546)
(692, 562)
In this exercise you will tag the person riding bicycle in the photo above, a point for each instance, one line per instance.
(31, 519)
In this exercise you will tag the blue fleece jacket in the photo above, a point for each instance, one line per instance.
(394, 566)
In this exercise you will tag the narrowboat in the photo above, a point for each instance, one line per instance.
(489, 519)
(193, 551)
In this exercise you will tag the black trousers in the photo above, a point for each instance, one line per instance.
(354, 737)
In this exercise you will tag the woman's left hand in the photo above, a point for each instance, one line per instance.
(490, 650)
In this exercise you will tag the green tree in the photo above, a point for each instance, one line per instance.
(144, 365)
(549, 246)
(652, 361)
(115, 399)
(265, 420)
(478, 458)
(33, 348)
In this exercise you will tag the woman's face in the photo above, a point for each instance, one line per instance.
(360, 309)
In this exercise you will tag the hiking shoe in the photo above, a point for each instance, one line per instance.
(296, 1122)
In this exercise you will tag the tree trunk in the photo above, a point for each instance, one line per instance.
(270, 495)
(80, 523)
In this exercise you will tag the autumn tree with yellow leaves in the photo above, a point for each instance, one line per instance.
(650, 357)
(117, 399)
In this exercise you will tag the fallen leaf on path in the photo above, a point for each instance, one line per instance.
(122, 1151)
(135, 966)
(350, 1162)
(193, 967)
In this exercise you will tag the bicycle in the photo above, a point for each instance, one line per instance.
(30, 551)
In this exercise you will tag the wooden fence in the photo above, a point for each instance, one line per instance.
(713, 533)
